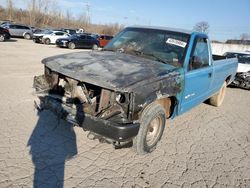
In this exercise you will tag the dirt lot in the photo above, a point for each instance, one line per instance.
(206, 147)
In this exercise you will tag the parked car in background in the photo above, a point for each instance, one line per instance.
(78, 41)
(69, 31)
(242, 78)
(53, 36)
(17, 30)
(104, 39)
(4, 22)
(37, 36)
(80, 30)
(4, 34)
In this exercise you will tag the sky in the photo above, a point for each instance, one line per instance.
(227, 19)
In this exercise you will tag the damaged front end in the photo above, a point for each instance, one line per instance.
(102, 111)
(242, 80)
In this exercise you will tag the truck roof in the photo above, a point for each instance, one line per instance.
(163, 28)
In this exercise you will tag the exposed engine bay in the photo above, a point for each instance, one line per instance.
(90, 99)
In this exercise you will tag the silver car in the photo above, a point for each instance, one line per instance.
(17, 30)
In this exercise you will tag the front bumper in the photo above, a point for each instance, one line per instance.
(62, 43)
(37, 39)
(108, 129)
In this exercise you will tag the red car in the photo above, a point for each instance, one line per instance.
(104, 39)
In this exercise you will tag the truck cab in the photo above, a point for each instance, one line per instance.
(203, 72)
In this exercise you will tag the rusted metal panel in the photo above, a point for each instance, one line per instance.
(104, 99)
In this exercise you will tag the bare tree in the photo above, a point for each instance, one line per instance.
(9, 8)
(245, 36)
(68, 17)
(202, 27)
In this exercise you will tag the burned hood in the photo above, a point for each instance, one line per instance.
(111, 70)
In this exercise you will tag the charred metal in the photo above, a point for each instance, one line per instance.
(242, 80)
(92, 99)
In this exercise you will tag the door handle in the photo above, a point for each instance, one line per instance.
(209, 74)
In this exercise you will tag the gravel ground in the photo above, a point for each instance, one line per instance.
(206, 147)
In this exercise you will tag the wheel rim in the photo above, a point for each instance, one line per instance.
(1, 37)
(27, 36)
(153, 131)
(72, 46)
(47, 41)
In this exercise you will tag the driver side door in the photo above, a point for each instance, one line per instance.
(198, 76)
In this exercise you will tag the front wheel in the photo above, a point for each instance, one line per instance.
(2, 37)
(152, 124)
(218, 98)
(47, 41)
(72, 45)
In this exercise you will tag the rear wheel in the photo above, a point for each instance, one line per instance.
(72, 45)
(27, 36)
(2, 37)
(47, 41)
(152, 124)
(217, 99)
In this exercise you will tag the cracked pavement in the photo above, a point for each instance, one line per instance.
(205, 147)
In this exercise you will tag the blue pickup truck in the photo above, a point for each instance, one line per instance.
(127, 91)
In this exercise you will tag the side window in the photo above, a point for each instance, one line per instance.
(27, 28)
(83, 37)
(19, 27)
(200, 55)
(12, 26)
(59, 33)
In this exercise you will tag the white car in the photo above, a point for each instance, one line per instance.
(242, 78)
(51, 38)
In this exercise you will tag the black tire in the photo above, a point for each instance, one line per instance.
(143, 143)
(27, 36)
(94, 47)
(2, 37)
(218, 98)
(47, 41)
(72, 45)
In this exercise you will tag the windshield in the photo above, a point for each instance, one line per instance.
(45, 32)
(161, 45)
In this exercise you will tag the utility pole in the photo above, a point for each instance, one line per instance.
(87, 12)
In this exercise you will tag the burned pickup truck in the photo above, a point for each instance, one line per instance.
(126, 91)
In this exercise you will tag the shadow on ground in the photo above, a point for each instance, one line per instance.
(52, 142)
(11, 40)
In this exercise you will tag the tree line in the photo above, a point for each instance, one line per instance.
(47, 14)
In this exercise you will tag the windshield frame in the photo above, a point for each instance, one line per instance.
(109, 46)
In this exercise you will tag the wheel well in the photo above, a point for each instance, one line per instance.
(228, 79)
(168, 104)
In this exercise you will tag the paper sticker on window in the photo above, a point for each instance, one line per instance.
(176, 42)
